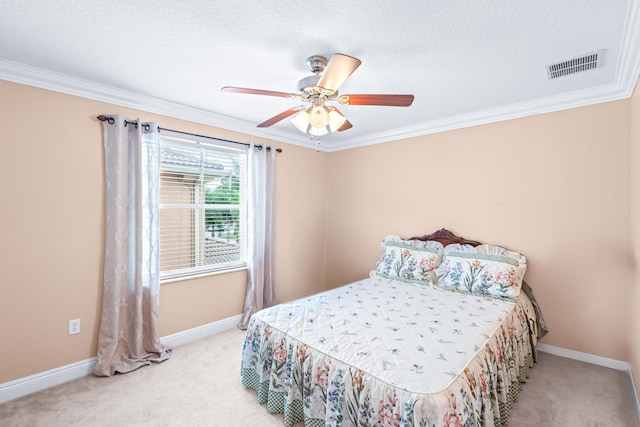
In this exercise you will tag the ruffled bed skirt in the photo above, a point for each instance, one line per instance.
(310, 386)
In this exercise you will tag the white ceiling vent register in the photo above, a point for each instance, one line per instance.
(586, 62)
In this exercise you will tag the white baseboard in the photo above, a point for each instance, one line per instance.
(596, 360)
(584, 357)
(199, 332)
(43, 380)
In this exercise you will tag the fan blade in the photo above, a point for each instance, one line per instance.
(338, 70)
(345, 126)
(275, 119)
(234, 89)
(385, 100)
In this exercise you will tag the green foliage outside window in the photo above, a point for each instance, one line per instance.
(221, 222)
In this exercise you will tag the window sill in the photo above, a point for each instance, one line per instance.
(198, 276)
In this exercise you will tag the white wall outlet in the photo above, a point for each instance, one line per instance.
(74, 327)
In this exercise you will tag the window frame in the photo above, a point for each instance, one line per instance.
(200, 207)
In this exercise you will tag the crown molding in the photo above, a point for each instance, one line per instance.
(621, 88)
(629, 68)
(567, 101)
(58, 82)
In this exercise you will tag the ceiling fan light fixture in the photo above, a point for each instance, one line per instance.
(301, 121)
(315, 118)
(319, 117)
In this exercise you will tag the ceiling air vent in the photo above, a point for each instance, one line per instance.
(575, 65)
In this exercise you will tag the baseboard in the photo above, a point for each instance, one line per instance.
(43, 380)
(596, 360)
(199, 332)
(584, 357)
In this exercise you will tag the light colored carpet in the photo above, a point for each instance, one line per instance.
(200, 386)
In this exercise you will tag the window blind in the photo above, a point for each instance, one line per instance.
(202, 207)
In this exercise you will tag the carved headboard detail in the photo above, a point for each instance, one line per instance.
(446, 237)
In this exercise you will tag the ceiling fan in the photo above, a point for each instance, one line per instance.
(315, 116)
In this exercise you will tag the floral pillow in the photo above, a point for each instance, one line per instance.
(411, 261)
(485, 270)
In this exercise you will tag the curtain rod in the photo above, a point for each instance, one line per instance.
(111, 121)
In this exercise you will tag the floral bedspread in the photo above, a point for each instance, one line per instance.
(382, 352)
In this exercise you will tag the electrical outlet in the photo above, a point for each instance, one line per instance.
(74, 327)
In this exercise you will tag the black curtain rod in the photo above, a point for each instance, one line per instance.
(111, 121)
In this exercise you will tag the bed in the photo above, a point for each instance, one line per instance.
(442, 333)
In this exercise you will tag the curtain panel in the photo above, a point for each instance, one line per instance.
(261, 233)
(128, 337)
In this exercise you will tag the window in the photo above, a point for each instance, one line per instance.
(202, 206)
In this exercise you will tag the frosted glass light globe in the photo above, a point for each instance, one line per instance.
(319, 117)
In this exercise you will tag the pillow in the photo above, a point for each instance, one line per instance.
(409, 261)
(485, 270)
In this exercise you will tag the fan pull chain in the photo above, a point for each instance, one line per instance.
(317, 138)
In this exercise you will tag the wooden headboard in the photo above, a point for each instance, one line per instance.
(446, 237)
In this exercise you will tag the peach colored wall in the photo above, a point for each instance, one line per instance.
(554, 187)
(301, 218)
(51, 228)
(634, 300)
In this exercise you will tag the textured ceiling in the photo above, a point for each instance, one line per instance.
(466, 62)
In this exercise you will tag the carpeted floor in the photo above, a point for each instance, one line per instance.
(200, 386)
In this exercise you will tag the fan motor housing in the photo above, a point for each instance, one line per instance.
(309, 86)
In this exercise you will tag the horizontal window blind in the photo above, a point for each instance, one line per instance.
(202, 207)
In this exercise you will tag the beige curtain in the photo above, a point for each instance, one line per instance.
(261, 234)
(128, 337)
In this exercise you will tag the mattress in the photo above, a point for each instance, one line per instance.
(385, 352)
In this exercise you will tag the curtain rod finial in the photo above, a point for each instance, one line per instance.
(107, 119)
